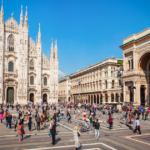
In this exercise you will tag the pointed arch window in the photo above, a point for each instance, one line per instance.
(31, 80)
(10, 66)
(45, 81)
(11, 43)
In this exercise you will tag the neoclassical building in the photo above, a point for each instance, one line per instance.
(136, 78)
(26, 74)
(64, 89)
(99, 83)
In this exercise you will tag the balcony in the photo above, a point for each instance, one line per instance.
(10, 74)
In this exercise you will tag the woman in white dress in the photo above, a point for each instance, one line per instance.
(76, 134)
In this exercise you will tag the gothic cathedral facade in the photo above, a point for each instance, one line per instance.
(26, 74)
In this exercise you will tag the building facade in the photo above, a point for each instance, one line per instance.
(99, 84)
(136, 78)
(64, 89)
(26, 74)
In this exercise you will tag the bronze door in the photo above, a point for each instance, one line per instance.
(45, 98)
(10, 95)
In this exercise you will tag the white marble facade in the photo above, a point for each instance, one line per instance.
(26, 74)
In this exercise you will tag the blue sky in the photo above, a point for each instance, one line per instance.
(87, 31)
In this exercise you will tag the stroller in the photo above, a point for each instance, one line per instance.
(84, 128)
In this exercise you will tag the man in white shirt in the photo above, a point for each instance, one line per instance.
(137, 126)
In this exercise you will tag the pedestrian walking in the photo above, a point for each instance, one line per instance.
(15, 122)
(76, 134)
(9, 120)
(69, 118)
(50, 127)
(20, 131)
(137, 126)
(97, 125)
(38, 120)
(1, 115)
(53, 132)
(91, 123)
(110, 120)
(29, 122)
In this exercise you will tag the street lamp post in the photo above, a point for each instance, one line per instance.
(119, 73)
(79, 83)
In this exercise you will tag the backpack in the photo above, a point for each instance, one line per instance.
(21, 129)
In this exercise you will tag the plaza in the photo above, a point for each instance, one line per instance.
(120, 137)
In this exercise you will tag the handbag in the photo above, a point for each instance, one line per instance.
(78, 134)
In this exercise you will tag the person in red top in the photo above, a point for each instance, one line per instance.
(20, 131)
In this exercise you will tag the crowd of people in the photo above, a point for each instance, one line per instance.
(37, 115)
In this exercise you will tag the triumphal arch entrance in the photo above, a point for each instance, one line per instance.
(136, 78)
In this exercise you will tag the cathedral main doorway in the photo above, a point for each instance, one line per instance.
(31, 97)
(10, 95)
(45, 98)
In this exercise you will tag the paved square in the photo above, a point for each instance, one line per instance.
(115, 139)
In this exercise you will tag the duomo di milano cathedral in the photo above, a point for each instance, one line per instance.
(26, 74)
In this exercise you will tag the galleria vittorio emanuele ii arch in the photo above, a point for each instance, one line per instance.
(136, 78)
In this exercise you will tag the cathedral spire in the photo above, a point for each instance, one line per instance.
(39, 35)
(56, 49)
(21, 16)
(51, 51)
(2, 12)
(26, 19)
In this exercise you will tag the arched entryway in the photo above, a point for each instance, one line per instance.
(144, 65)
(94, 99)
(45, 98)
(10, 95)
(31, 97)
(112, 97)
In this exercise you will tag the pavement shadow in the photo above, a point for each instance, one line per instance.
(57, 140)
(26, 137)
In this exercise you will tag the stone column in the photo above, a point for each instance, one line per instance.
(109, 98)
(90, 98)
(114, 97)
(103, 98)
(137, 92)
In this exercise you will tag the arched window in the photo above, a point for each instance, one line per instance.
(11, 43)
(10, 66)
(129, 64)
(111, 74)
(31, 65)
(112, 83)
(106, 84)
(32, 80)
(45, 81)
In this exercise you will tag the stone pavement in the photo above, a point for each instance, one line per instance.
(119, 138)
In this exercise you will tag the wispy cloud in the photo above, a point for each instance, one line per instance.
(60, 74)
